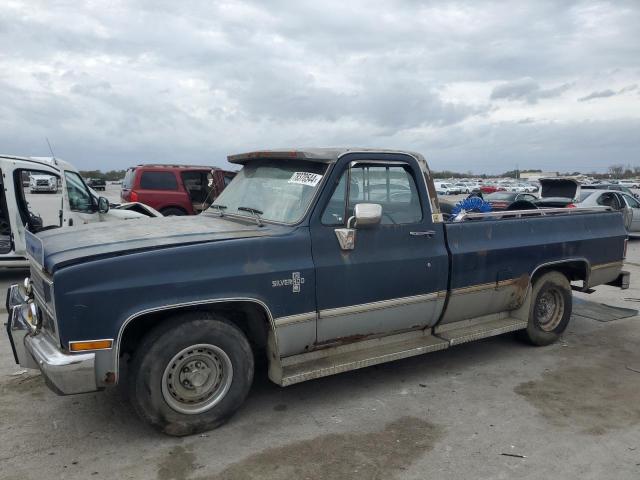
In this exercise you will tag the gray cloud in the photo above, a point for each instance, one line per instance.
(608, 93)
(526, 89)
(127, 82)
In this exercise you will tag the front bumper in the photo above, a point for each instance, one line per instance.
(64, 374)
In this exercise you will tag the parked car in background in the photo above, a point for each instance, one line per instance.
(445, 188)
(629, 183)
(42, 183)
(618, 201)
(488, 188)
(463, 187)
(175, 189)
(503, 200)
(611, 186)
(558, 192)
(97, 183)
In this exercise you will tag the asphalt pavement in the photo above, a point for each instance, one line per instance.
(492, 409)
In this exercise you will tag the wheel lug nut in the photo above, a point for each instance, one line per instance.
(185, 369)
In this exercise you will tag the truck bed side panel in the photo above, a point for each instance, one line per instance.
(493, 259)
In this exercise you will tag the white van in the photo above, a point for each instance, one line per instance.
(69, 202)
(42, 183)
(445, 188)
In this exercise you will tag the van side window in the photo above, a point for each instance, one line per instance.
(158, 181)
(392, 186)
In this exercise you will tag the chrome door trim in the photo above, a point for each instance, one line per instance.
(484, 286)
(390, 303)
(297, 318)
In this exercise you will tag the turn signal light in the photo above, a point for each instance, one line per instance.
(90, 345)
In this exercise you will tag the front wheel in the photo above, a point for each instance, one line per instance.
(191, 373)
(551, 305)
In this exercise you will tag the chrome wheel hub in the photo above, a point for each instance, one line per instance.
(197, 378)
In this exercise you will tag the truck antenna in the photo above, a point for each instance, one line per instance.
(53, 155)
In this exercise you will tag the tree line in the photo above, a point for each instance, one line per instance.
(109, 176)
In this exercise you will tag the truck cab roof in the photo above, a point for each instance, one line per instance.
(323, 155)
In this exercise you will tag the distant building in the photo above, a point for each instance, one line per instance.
(533, 176)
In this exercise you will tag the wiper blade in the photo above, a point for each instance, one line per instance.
(255, 212)
(219, 207)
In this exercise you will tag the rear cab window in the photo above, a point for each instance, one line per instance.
(151, 180)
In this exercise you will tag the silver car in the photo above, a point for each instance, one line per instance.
(620, 201)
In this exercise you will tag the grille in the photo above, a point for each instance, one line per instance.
(43, 290)
(42, 182)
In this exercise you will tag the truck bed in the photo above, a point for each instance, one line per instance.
(493, 257)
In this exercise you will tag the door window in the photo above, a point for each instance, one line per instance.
(631, 202)
(392, 187)
(609, 200)
(39, 198)
(158, 181)
(80, 199)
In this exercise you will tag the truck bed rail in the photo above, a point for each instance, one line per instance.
(538, 212)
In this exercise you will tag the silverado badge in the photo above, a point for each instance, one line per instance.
(295, 281)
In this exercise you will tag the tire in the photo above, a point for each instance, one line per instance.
(173, 212)
(197, 343)
(551, 304)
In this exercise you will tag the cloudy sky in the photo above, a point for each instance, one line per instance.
(473, 86)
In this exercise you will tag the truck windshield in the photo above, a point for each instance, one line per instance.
(281, 189)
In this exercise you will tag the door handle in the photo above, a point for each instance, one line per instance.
(428, 234)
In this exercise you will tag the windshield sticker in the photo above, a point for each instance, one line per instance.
(305, 178)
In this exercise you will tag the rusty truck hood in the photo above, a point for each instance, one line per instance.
(55, 248)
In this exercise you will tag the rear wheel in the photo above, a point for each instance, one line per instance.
(173, 212)
(191, 373)
(550, 309)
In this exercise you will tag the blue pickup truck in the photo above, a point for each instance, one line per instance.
(315, 262)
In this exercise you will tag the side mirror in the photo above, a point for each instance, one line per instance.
(365, 215)
(103, 205)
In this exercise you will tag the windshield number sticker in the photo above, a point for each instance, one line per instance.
(305, 178)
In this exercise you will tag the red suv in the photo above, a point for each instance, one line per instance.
(174, 189)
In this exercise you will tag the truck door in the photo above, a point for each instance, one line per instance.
(80, 205)
(395, 277)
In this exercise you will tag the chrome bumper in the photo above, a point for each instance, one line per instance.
(64, 374)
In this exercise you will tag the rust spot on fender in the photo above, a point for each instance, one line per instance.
(110, 378)
(521, 285)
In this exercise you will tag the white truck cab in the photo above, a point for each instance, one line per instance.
(39, 193)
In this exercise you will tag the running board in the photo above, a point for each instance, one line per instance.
(365, 353)
(468, 332)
